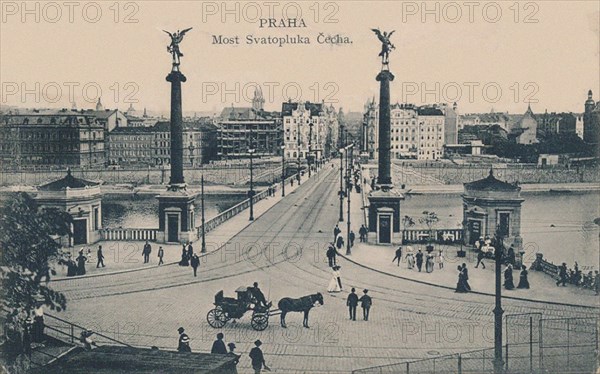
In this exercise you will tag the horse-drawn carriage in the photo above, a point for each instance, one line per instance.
(227, 308)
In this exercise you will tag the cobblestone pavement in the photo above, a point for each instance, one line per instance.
(284, 250)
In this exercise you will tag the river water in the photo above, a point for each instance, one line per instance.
(558, 225)
(141, 210)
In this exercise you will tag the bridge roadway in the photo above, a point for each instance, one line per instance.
(283, 250)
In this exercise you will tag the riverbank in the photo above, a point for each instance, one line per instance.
(525, 188)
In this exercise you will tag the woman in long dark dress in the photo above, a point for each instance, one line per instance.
(508, 278)
(460, 285)
(523, 281)
(184, 257)
(81, 260)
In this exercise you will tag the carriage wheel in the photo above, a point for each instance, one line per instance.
(260, 322)
(216, 318)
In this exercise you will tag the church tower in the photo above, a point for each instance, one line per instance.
(258, 101)
(99, 106)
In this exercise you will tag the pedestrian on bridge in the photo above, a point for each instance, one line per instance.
(365, 303)
(336, 231)
(419, 257)
(335, 282)
(190, 251)
(339, 242)
(351, 236)
(184, 341)
(146, 252)
(218, 346)
(184, 258)
(331, 254)
(161, 254)
(258, 359)
(100, 257)
(195, 262)
(81, 260)
(352, 303)
(362, 232)
(398, 255)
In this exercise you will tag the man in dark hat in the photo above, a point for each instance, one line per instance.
(146, 252)
(100, 257)
(365, 303)
(184, 341)
(218, 346)
(258, 360)
(419, 257)
(398, 255)
(195, 262)
(351, 303)
(331, 253)
(562, 273)
(232, 352)
(258, 295)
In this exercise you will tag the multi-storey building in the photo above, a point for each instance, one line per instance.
(51, 138)
(525, 130)
(152, 145)
(431, 133)
(416, 132)
(309, 129)
(404, 139)
(556, 123)
(242, 128)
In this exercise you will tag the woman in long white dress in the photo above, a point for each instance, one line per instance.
(410, 259)
(334, 285)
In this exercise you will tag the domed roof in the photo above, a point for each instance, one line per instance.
(68, 181)
(490, 183)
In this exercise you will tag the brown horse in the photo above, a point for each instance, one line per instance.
(303, 304)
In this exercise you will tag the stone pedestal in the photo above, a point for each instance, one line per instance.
(176, 217)
(383, 204)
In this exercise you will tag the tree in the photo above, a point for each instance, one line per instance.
(27, 250)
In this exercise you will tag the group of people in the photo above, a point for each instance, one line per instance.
(77, 266)
(256, 355)
(576, 277)
(189, 258)
(508, 278)
(338, 238)
(365, 302)
(418, 258)
(335, 284)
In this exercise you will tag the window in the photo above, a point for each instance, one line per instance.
(504, 223)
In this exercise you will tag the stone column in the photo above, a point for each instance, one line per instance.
(176, 180)
(384, 178)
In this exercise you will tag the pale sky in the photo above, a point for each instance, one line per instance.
(554, 61)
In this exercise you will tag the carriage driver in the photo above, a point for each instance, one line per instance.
(258, 295)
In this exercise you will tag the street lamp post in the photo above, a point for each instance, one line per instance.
(309, 158)
(349, 192)
(298, 141)
(341, 218)
(203, 250)
(251, 192)
(498, 362)
(283, 171)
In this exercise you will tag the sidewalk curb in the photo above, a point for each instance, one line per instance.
(201, 255)
(473, 292)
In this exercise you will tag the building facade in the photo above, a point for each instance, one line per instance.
(51, 138)
(242, 128)
(309, 129)
(151, 146)
(416, 132)
(525, 130)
